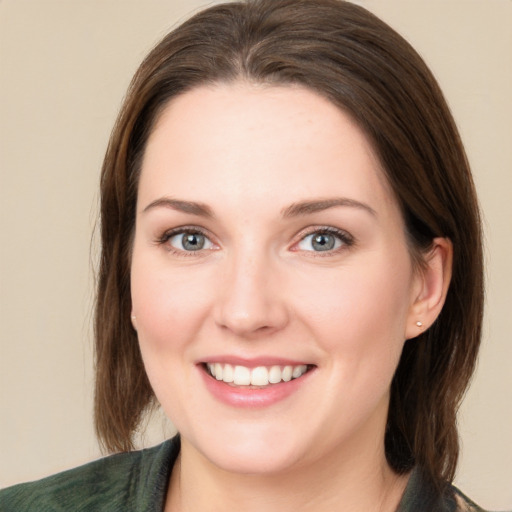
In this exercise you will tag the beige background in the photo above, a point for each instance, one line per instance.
(64, 69)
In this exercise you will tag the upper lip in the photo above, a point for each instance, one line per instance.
(253, 362)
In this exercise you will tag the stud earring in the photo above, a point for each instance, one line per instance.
(419, 324)
(133, 317)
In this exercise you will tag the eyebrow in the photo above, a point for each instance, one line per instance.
(294, 210)
(309, 207)
(191, 207)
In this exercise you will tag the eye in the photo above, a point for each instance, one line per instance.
(324, 240)
(188, 241)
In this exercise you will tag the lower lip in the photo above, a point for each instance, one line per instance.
(252, 397)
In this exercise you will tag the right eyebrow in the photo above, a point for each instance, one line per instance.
(199, 209)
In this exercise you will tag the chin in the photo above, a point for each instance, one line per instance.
(249, 451)
(252, 462)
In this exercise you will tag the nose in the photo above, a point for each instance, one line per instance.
(252, 301)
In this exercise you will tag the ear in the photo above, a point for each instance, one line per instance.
(133, 319)
(430, 287)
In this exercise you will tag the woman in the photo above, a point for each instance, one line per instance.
(291, 267)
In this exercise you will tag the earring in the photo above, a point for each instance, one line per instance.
(133, 317)
(419, 324)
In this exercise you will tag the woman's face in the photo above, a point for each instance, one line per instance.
(269, 253)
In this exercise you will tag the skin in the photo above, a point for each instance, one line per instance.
(258, 288)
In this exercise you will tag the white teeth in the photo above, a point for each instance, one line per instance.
(299, 370)
(259, 376)
(228, 374)
(274, 375)
(287, 373)
(241, 376)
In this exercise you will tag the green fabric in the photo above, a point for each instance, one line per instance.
(421, 497)
(125, 482)
(137, 481)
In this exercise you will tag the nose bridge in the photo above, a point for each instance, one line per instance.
(251, 301)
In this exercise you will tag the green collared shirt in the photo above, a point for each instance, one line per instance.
(137, 481)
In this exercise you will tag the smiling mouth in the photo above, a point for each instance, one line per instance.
(258, 377)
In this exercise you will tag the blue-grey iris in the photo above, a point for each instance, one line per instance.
(193, 241)
(323, 242)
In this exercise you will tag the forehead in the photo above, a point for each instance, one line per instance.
(255, 142)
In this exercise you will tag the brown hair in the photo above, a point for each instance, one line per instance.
(349, 56)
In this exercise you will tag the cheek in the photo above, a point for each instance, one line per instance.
(359, 312)
(168, 303)
(170, 306)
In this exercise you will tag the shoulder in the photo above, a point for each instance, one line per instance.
(463, 503)
(125, 481)
(421, 496)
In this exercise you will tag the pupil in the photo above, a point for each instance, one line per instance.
(323, 242)
(193, 242)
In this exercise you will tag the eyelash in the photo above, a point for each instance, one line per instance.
(346, 239)
(190, 230)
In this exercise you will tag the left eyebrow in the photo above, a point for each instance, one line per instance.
(309, 207)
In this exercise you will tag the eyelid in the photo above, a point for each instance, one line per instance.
(347, 240)
(191, 229)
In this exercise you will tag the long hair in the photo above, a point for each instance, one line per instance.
(349, 56)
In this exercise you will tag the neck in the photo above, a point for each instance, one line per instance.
(357, 480)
